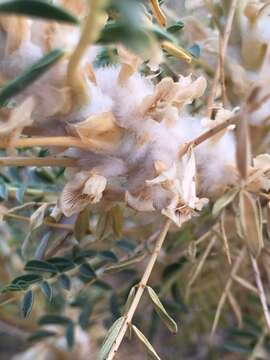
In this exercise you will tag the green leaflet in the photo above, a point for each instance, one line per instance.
(165, 317)
(38, 8)
(149, 348)
(31, 74)
(27, 303)
(224, 201)
(110, 338)
(40, 265)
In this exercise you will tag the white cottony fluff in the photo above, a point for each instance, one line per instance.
(135, 130)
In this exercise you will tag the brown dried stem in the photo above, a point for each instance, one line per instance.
(140, 291)
(261, 291)
(227, 289)
(223, 44)
(48, 223)
(158, 13)
(58, 141)
(37, 161)
(199, 267)
(209, 133)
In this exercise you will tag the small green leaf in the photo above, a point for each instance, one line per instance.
(61, 263)
(25, 281)
(125, 263)
(64, 281)
(37, 8)
(12, 287)
(46, 174)
(43, 246)
(110, 338)
(37, 217)
(40, 335)
(165, 317)
(108, 255)
(3, 191)
(31, 74)
(149, 348)
(175, 27)
(224, 201)
(125, 245)
(88, 253)
(161, 33)
(40, 265)
(20, 193)
(47, 290)
(235, 347)
(195, 51)
(84, 316)
(54, 320)
(70, 334)
(130, 298)
(81, 225)
(27, 303)
(87, 271)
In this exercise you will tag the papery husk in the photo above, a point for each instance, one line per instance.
(268, 219)
(169, 94)
(49, 32)
(86, 188)
(139, 202)
(99, 131)
(194, 29)
(19, 118)
(182, 184)
(251, 223)
(262, 162)
(88, 68)
(239, 78)
(259, 177)
(59, 102)
(130, 64)
(17, 31)
(253, 49)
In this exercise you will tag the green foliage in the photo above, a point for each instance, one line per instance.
(29, 76)
(27, 303)
(37, 8)
(110, 338)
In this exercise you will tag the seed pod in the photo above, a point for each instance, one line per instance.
(251, 222)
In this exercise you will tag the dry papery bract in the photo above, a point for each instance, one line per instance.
(143, 149)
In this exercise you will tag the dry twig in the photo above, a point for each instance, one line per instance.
(226, 290)
(140, 290)
(261, 291)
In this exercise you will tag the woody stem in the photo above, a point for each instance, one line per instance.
(140, 291)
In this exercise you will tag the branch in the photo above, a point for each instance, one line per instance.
(223, 44)
(209, 133)
(140, 290)
(227, 289)
(59, 141)
(261, 291)
(37, 161)
(158, 13)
